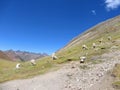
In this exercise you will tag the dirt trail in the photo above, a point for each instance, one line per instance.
(72, 76)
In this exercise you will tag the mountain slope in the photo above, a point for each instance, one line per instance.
(110, 27)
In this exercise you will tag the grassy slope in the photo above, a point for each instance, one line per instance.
(70, 52)
(9, 72)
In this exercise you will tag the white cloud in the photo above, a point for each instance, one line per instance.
(93, 12)
(112, 4)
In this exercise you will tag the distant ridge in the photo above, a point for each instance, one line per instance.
(20, 55)
(4, 56)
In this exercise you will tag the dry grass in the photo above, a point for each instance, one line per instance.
(116, 74)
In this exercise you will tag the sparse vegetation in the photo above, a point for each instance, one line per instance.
(96, 61)
(116, 85)
(116, 74)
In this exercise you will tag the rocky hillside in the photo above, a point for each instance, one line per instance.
(21, 55)
(105, 54)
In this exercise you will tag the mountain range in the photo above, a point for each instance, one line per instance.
(20, 55)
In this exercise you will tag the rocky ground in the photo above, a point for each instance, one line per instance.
(72, 76)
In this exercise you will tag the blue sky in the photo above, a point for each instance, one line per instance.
(48, 25)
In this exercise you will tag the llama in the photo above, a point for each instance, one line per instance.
(109, 38)
(100, 41)
(54, 57)
(94, 45)
(18, 66)
(84, 47)
(82, 59)
(33, 62)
